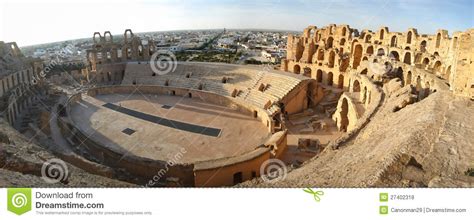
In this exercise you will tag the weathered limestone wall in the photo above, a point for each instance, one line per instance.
(328, 54)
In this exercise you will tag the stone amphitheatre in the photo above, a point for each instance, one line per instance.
(346, 108)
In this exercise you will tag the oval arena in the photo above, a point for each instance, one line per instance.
(212, 120)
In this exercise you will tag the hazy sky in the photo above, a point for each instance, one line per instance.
(39, 21)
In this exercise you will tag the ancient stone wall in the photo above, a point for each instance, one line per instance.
(328, 54)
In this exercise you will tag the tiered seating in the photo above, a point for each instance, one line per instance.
(279, 86)
(243, 79)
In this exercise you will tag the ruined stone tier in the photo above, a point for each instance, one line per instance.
(340, 48)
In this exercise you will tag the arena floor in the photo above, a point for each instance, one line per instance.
(162, 127)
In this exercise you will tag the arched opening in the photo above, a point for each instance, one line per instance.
(296, 69)
(380, 52)
(409, 37)
(370, 50)
(356, 86)
(319, 76)
(344, 118)
(437, 67)
(418, 84)
(438, 40)
(357, 56)
(329, 42)
(364, 95)
(407, 58)
(400, 75)
(363, 72)
(340, 82)
(238, 178)
(344, 30)
(393, 42)
(447, 74)
(342, 42)
(307, 72)
(408, 78)
(344, 63)
(332, 57)
(426, 62)
(368, 37)
(427, 90)
(330, 79)
(381, 34)
(320, 54)
(423, 46)
(394, 55)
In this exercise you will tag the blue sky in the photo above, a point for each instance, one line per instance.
(54, 20)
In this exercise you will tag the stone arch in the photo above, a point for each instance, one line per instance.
(447, 74)
(320, 54)
(418, 84)
(95, 39)
(344, 115)
(357, 56)
(407, 58)
(319, 75)
(307, 71)
(342, 42)
(437, 66)
(128, 34)
(380, 52)
(352, 45)
(395, 55)
(393, 41)
(344, 30)
(330, 79)
(426, 61)
(427, 90)
(356, 86)
(108, 37)
(340, 81)
(368, 37)
(409, 36)
(329, 42)
(423, 46)
(381, 34)
(438, 40)
(364, 95)
(343, 64)
(332, 57)
(370, 50)
(296, 69)
(408, 78)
